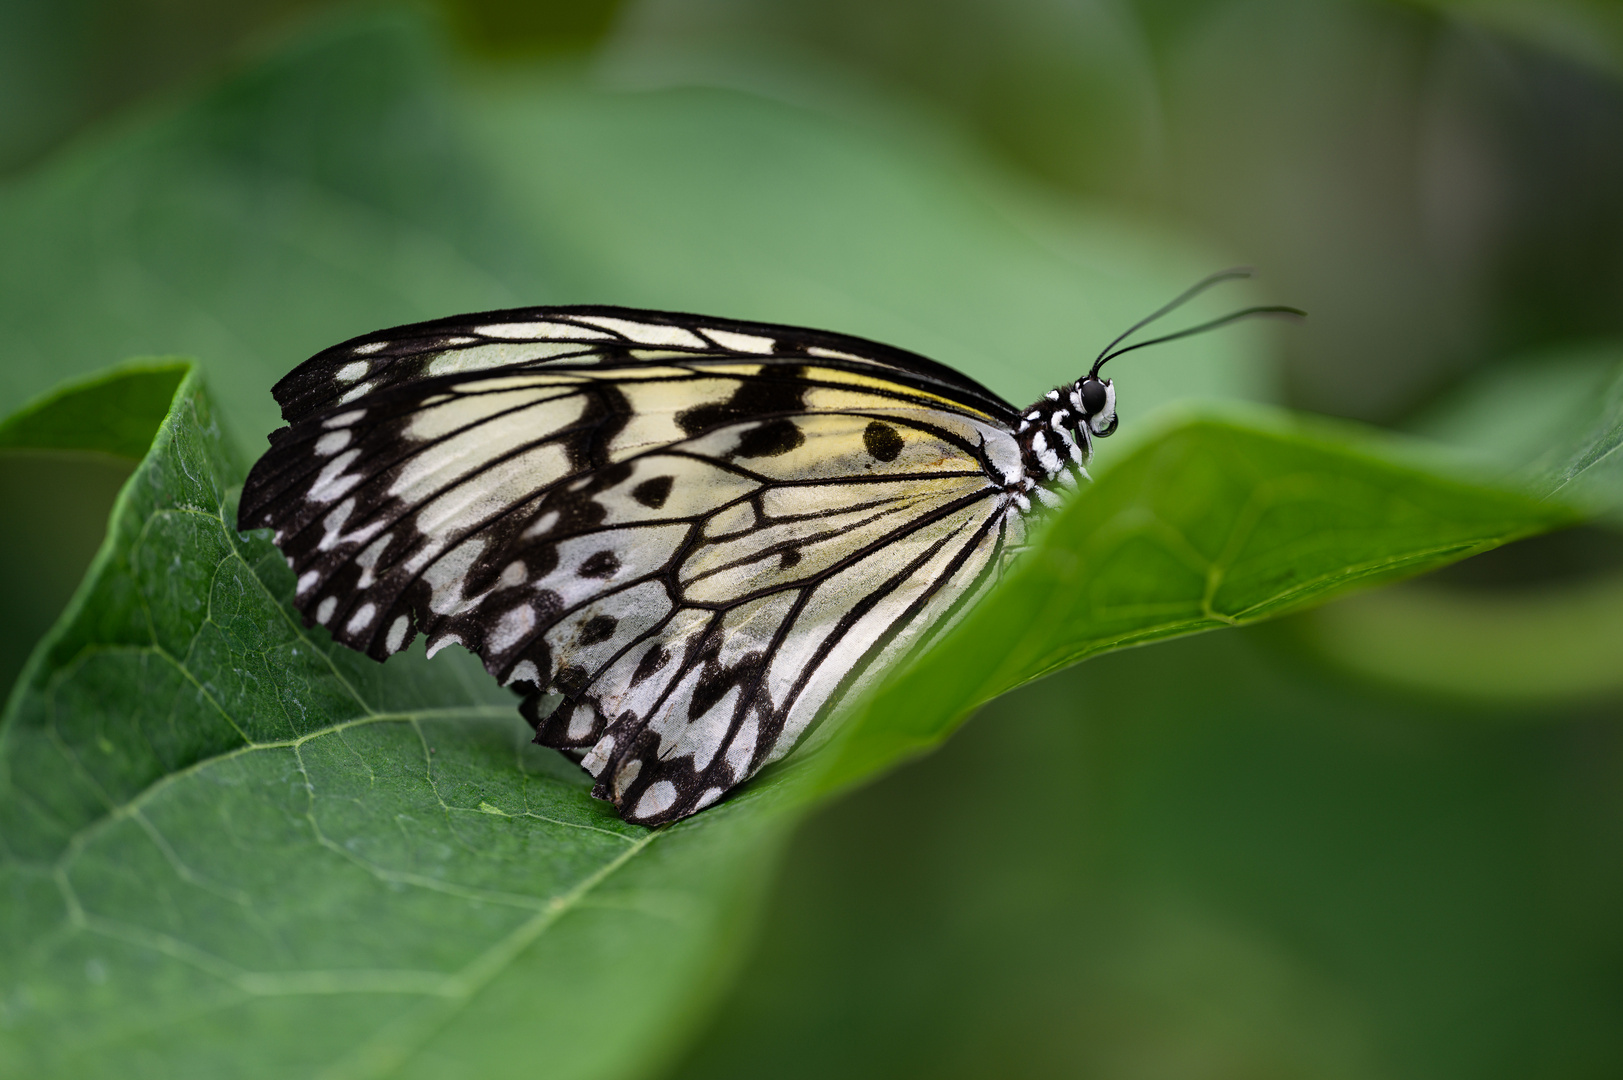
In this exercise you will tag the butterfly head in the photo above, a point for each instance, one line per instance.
(1056, 433)
(1095, 399)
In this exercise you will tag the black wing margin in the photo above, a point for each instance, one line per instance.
(601, 335)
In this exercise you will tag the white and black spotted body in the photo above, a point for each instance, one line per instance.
(702, 533)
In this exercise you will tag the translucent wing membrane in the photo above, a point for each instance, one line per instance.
(703, 534)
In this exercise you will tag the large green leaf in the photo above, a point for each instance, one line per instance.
(1588, 467)
(1215, 522)
(234, 848)
(1567, 429)
(231, 848)
(1204, 860)
(1555, 637)
(115, 413)
(63, 459)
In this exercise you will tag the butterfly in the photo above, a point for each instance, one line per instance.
(702, 534)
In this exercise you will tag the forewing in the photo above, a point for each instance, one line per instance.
(596, 336)
(700, 550)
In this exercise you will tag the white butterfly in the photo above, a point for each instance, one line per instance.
(702, 533)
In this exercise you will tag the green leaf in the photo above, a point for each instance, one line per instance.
(1589, 468)
(115, 412)
(232, 847)
(1567, 430)
(228, 847)
(1213, 522)
(63, 458)
(1203, 860)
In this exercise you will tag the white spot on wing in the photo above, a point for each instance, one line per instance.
(441, 642)
(397, 634)
(732, 339)
(324, 609)
(355, 392)
(307, 581)
(657, 799)
(743, 746)
(371, 347)
(625, 775)
(646, 333)
(580, 722)
(446, 576)
(332, 442)
(542, 524)
(598, 756)
(703, 736)
(542, 330)
(512, 628)
(361, 619)
(331, 482)
(501, 354)
(834, 354)
(368, 559)
(333, 524)
(524, 671)
(355, 369)
(343, 419)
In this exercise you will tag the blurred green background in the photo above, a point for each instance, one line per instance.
(1381, 839)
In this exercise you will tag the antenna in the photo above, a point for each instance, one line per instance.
(1110, 352)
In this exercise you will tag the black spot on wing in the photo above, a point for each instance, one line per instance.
(599, 565)
(882, 441)
(598, 628)
(781, 391)
(769, 439)
(606, 415)
(652, 660)
(653, 493)
(571, 680)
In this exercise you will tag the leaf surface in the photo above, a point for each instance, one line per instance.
(113, 413)
(234, 848)
(1213, 522)
(230, 848)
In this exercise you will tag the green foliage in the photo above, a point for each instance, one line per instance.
(1208, 859)
(210, 812)
(234, 848)
(250, 229)
(229, 848)
(113, 413)
(1210, 523)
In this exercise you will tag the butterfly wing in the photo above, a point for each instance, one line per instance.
(701, 533)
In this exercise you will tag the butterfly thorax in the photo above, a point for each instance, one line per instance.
(1056, 433)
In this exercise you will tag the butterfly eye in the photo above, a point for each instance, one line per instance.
(1093, 396)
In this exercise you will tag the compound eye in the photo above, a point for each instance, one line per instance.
(1093, 396)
